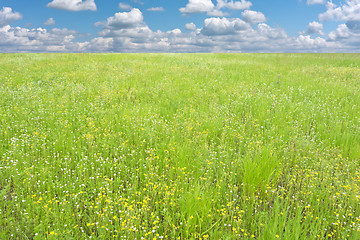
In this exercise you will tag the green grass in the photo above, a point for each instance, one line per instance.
(179, 146)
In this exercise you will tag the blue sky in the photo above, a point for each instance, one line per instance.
(180, 26)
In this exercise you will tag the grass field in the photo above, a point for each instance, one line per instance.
(179, 146)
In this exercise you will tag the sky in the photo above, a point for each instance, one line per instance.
(179, 26)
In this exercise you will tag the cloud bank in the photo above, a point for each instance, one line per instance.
(127, 31)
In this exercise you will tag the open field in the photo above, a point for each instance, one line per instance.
(179, 146)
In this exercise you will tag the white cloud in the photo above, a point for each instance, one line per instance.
(7, 16)
(190, 26)
(122, 20)
(225, 36)
(201, 6)
(100, 44)
(140, 32)
(175, 31)
(342, 32)
(73, 5)
(216, 35)
(50, 22)
(234, 5)
(271, 33)
(10, 38)
(253, 16)
(17, 39)
(156, 9)
(347, 38)
(223, 26)
(310, 43)
(124, 6)
(314, 28)
(313, 2)
(228, 35)
(127, 32)
(197, 6)
(217, 13)
(347, 12)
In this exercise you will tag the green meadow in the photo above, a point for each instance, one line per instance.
(180, 146)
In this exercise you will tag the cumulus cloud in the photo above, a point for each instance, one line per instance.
(7, 16)
(123, 20)
(234, 5)
(350, 11)
(73, 5)
(50, 22)
(223, 26)
(216, 35)
(124, 6)
(99, 44)
(17, 39)
(314, 28)
(201, 6)
(308, 43)
(156, 9)
(217, 13)
(225, 4)
(253, 16)
(190, 26)
(128, 32)
(271, 33)
(175, 31)
(348, 39)
(342, 32)
(197, 6)
(313, 2)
